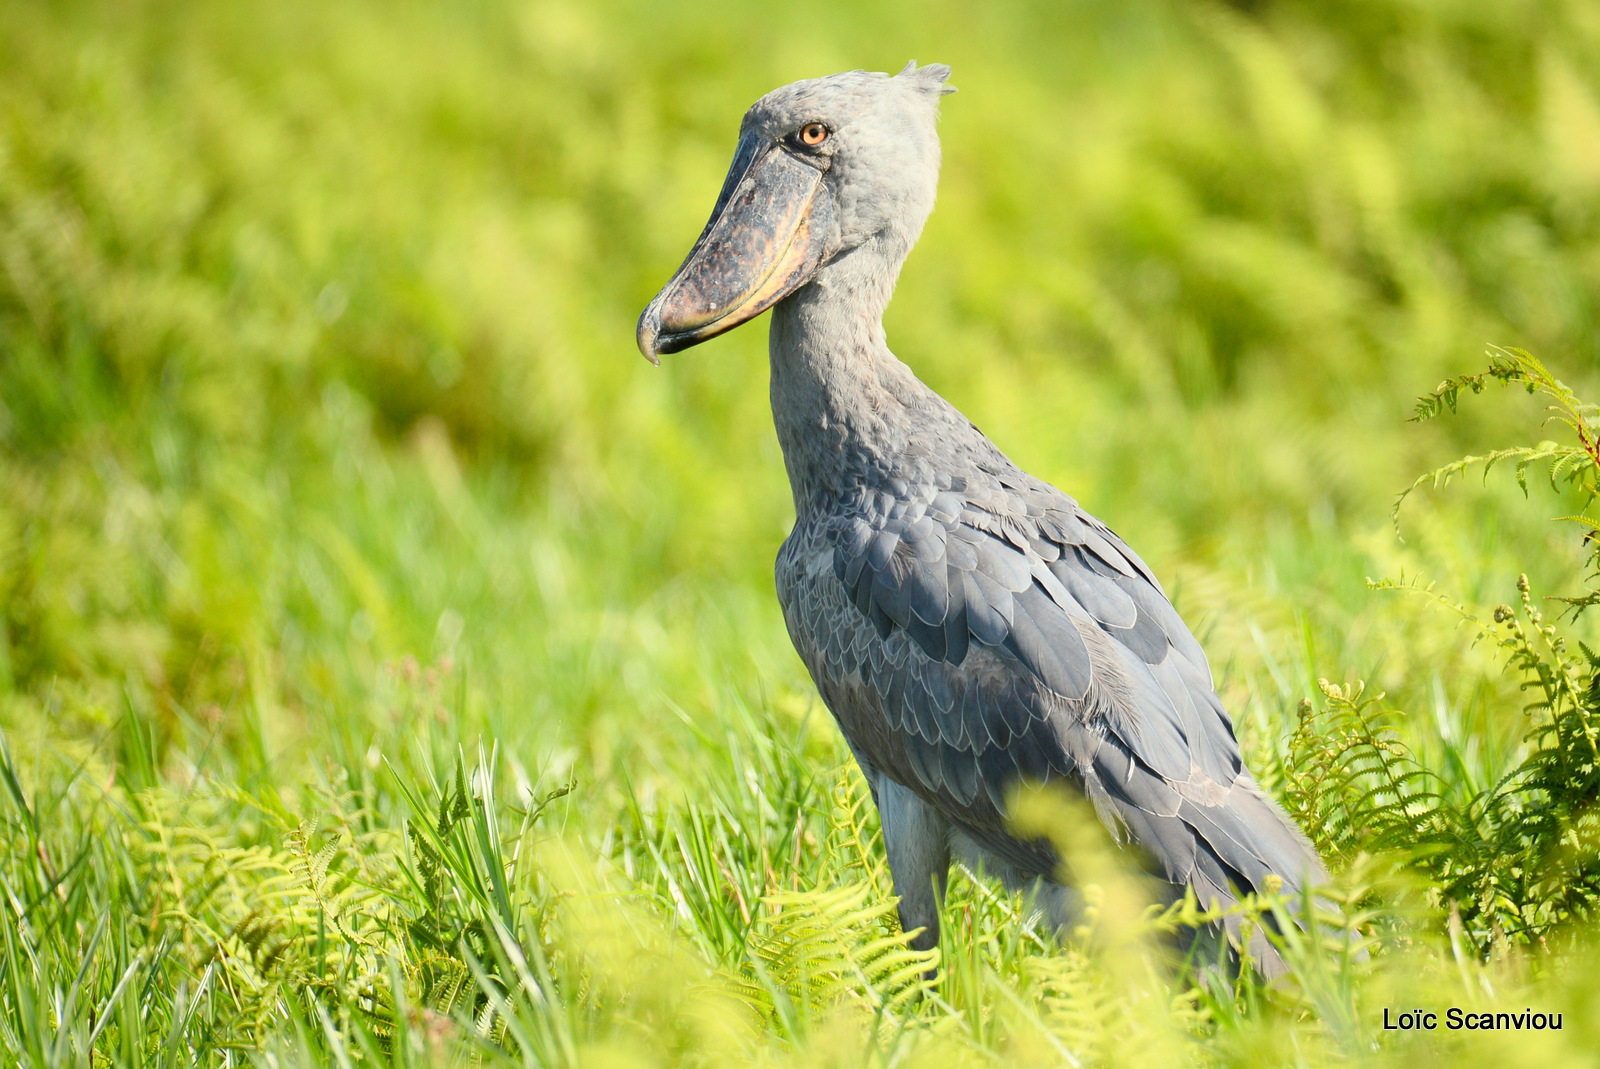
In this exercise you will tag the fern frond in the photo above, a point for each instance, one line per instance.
(812, 949)
(1518, 859)
(1525, 457)
(1503, 368)
(1570, 464)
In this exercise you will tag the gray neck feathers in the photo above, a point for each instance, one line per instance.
(844, 407)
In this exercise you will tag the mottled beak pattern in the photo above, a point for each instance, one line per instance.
(767, 236)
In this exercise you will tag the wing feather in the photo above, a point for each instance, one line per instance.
(1007, 635)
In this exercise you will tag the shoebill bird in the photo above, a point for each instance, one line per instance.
(970, 626)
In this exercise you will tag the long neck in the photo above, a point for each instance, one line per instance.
(843, 405)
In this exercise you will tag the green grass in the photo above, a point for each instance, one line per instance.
(329, 474)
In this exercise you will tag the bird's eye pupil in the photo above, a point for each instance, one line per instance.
(813, 133)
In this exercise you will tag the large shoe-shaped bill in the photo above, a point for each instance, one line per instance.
(767, 236)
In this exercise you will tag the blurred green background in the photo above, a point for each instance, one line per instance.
(317, 326)
(318, 390)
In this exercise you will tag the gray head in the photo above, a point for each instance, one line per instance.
(823, 166)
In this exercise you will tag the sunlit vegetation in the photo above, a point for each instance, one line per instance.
(390, 671)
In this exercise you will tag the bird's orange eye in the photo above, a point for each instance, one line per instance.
(813, 133)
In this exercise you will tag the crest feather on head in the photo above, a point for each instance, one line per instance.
(930, 78)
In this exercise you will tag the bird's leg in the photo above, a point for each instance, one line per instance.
(917, 840)
(1058, 904)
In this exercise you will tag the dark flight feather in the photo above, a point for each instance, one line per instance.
(1036, 646)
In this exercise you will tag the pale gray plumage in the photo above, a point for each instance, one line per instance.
(969, 625)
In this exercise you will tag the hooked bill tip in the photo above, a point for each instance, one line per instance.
(649, 330)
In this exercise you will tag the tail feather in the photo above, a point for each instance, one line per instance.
(1221, 843)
